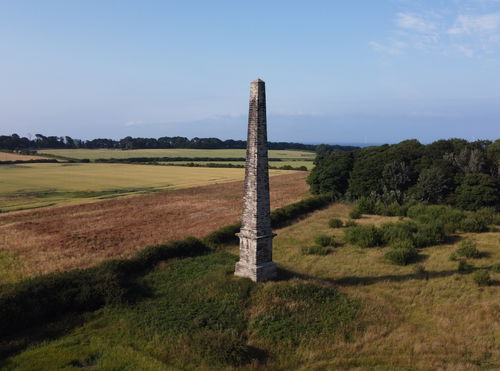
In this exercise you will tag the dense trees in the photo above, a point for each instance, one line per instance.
(452, 171)
(15, 142)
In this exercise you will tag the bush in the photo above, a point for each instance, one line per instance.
(325, 240)
(429, 234)
(468, 249)
(223, 236)
(366, 205)
(316, 250)
(350, 223)
(355, 213)
(285, 215)
(464, 267)
(495, 268)
(401, 231)
(335, 223)
(482, 278)
(401, 255)
(363, 236)
(474, 223)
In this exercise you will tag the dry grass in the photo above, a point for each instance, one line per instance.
(60, 238)
(441, 320)
(6, 156)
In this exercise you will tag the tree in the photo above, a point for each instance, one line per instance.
(476, 191)
(331, 173)
(432, 185)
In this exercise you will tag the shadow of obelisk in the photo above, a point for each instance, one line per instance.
(256, 236)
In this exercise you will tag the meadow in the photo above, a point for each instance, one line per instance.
(93, 154)
(348, 309)
(28, 186)
(44, 240)
(7, 156)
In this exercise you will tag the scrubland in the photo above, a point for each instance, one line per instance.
(348, 309)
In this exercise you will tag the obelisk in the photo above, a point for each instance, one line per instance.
(256, 236)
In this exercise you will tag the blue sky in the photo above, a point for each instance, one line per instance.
(335, 71)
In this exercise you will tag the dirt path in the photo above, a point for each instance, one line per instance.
(66, 237)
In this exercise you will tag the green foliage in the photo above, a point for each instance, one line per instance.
(495, 268)
(350, 223)
(285, 215)
(292, 314)
(401, 255)
(335, 223)
(482, 278)
(364, 236)
(331, 173)
(325, 240)
(397, 232)
(474, 223)
(476, 191)
(432, 185)
(223, 236)
(355, 213)
(316, 250)
(464, 267)
(468, 249)
(419, 269)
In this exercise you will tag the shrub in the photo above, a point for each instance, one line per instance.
(495, 268)
(429, 234)
(316, 250)
(325, 240)
(464, 267)
(482, 278)
(468, 249)
(366, 205)
(401, 231)
(335, 223)
(355, 213)
(419, 269)
(223, 236)
(285, 215)
(364, 236)
(474, 223)
(350, 223)
(401, 255)
(403, 244)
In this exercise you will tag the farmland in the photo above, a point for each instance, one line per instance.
(7, 156)
(392, 317)
(26, 186)
(76, 236)
(93, 154)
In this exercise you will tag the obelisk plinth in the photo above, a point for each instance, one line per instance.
(256, 236)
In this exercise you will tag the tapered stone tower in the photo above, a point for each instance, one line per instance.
(256, 236)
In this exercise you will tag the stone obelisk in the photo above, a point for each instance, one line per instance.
(256, 236)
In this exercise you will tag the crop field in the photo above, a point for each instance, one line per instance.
(345, 310)
(294, 163)
(26, 186)
(93, 154)
(6, 156)
(74, 236)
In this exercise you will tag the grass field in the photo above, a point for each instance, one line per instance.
(93, 154)
(6, 156)
(345, 310)
(75, 236)
(26, 186)
(294, 163)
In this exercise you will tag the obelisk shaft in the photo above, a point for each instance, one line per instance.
(256, 235)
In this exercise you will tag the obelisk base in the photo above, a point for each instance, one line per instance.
(256, 273)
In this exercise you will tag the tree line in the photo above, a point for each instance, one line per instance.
(15, 142)
(454, 171)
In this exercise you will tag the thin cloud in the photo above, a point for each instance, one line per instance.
(469, 24)
(415, 23)
(393, 47)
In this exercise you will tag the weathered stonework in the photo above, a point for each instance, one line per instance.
(256, 236)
